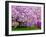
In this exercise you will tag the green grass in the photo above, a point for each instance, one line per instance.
(23, 28)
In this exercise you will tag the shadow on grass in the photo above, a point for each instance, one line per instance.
(23, 28)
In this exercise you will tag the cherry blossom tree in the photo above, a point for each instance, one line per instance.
(28, 14)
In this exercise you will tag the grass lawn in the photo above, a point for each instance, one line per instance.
(23, 28)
